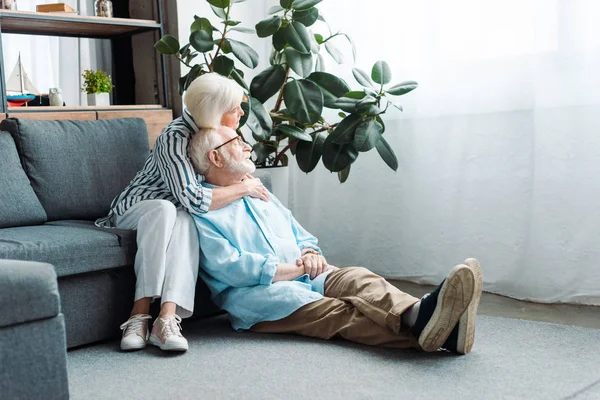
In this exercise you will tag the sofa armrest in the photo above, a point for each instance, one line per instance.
(28, 292)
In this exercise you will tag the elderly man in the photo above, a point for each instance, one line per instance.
(268, 273)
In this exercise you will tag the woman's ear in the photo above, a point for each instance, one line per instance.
(216, 158)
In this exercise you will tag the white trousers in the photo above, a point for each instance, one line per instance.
(168, 252)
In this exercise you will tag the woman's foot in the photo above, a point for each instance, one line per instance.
(166, 334)
(135, 332)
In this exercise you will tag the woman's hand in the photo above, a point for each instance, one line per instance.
(255, 188)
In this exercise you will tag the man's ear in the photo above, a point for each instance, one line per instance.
(216, 158)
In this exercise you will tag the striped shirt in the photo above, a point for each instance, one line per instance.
(167, 174)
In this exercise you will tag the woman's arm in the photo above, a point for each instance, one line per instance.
(249, 187)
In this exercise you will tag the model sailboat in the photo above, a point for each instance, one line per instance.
(19, 88)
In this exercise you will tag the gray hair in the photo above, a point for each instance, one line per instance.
(209, 97)
(200, 144)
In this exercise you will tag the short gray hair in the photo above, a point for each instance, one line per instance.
(209, 97)
(200, 144)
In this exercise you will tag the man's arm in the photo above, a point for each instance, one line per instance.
(237, 268)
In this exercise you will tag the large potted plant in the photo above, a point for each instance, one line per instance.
(296, 87)
(97, 85)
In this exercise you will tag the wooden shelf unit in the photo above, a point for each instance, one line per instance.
(121, 32)
(72, 25)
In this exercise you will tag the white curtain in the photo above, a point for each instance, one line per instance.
(56, 62)
(499, 147)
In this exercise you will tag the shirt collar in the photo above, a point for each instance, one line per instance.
(189, 121)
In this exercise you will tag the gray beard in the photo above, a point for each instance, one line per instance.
(239, 167)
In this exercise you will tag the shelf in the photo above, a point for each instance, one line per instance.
(37, 109)
(71, 25)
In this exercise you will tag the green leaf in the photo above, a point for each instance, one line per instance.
(278, 40)
(259, 121)
(381, 73)
(286, 4)
(334, 52)
(244, 53)
(320, 64)
(346, 103)
(356, 94)
(353, 47)
(331, 86)
(193, 74)
(267, 83)
(268, 27)
(367, 135)
(238, 76)
(238, 1)
(398, 106)
(306, 17)
(402, 88)
(167, 45)
(219, 3)
(225, 47)
(201, 24)
(275, 9)
(336, 157)
(344, 132)
(243, 30)
(387, 154)
(219, 12)
(202, 41)
(378, 119)
(245, 107)
(262, 151)
(231, 23)
(362, 77)
(304, 4)
(223, 65)
(297, 36)
(293, 132)
(319, 38)
(300, 63)
(304, 99)
(343, 174)
(308, 154)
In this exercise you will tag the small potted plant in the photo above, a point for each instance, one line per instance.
(97, 85)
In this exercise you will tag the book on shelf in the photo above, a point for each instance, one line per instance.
(54, 7)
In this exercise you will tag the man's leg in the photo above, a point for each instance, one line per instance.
(432, 319)
(329, 317)
(183, 259)
(154, 221)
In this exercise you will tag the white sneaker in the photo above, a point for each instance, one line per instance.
(135, 332)
(166, 334)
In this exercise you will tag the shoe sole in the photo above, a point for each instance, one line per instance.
(454, 298)
(466, 325)
(155, 341)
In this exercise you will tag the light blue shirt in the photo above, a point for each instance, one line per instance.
(241, 245)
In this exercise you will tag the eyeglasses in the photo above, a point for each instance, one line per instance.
(241, 142)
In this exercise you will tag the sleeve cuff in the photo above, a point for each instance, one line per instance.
(268, 273)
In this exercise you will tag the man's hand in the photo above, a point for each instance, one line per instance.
(314, 264)
(255, 188)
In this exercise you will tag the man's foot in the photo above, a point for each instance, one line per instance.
(135, 332)
(463, 335)
(440, 310)
(166, 334)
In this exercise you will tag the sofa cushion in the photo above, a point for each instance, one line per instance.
(76, 168)
(73, 248)
(20, 206)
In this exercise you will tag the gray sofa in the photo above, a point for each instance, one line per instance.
(56, 178)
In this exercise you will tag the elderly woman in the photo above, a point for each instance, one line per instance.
(158, 203)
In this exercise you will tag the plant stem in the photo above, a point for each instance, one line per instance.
(280, 98)
(183, 62)
(282, 152)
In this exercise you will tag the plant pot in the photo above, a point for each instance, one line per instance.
(98, 99)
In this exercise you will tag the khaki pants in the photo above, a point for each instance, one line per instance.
(359, 306)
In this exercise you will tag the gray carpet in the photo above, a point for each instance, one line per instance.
(512, 359)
